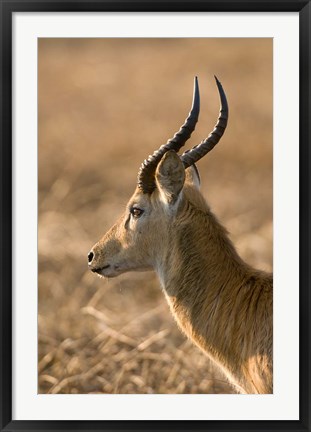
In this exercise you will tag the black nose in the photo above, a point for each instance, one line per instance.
(90, 257)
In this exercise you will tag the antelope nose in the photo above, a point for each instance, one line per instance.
(90, 257)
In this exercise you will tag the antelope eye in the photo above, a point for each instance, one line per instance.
(136, 212)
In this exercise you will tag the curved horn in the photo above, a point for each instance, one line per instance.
(197, 152)
(146, 172)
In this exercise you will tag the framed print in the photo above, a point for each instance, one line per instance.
(136, 269)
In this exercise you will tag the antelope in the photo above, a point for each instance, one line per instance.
(221, 303)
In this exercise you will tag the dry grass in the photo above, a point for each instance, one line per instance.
(104, 105)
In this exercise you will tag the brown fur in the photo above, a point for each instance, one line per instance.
(222, 304)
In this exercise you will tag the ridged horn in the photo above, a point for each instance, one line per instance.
(197, 152)
(146, 180)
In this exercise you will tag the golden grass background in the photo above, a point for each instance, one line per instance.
(104, 106)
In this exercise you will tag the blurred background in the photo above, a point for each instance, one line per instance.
(104, 106)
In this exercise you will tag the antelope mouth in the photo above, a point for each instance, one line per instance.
(107, 271)
(100, 269)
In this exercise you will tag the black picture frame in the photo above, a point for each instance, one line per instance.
(7, 8)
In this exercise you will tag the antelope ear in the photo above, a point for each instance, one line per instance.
(193, 176)
(170, 176)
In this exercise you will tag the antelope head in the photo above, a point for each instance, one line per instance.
(137, 240)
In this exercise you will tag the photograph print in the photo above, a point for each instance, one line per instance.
(155, 216)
